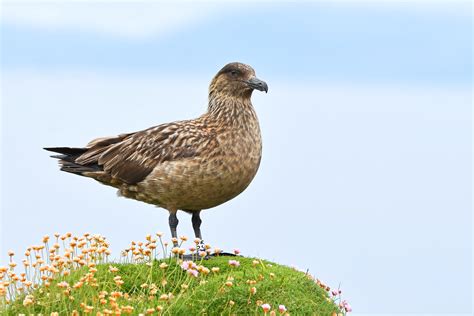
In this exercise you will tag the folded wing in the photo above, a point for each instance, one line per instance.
(130, 158)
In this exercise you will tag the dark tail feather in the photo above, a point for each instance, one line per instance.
(67, 160)
(66, 150)
(75, 168)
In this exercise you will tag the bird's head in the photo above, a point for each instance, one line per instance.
(236, 80)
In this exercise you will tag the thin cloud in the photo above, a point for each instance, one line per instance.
(126, 20)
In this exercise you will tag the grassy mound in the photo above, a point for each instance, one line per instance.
(170, 286)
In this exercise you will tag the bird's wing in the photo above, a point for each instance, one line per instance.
(131, 157)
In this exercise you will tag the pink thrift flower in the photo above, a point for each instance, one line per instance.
(282, 308)
(234, 263)
(266, 307)
(334, 292)
(236, 251)
(193, 272)
(186, 265)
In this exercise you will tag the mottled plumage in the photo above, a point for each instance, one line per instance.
(187, 165)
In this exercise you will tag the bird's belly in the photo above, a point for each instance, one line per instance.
(196, 184)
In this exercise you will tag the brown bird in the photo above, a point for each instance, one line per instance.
(188, 165)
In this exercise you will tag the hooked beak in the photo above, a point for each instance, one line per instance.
(258, 84)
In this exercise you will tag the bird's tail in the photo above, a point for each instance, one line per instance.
(67, 160)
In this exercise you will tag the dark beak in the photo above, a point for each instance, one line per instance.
(258, 84)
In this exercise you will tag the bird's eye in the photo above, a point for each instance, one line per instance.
(233, 72)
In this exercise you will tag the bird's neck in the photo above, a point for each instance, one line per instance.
(231, 110)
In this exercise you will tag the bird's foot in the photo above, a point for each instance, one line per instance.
(222, 254)
(197, 257)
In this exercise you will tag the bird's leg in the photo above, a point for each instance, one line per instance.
(196, 219)
(173, 221)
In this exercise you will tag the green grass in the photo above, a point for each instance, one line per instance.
(202, 295)
(73, 275)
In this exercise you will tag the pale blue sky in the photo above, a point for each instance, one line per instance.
(338, 41)
(366, 173)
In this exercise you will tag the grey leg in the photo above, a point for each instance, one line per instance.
(197, 224)
(173, 221)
